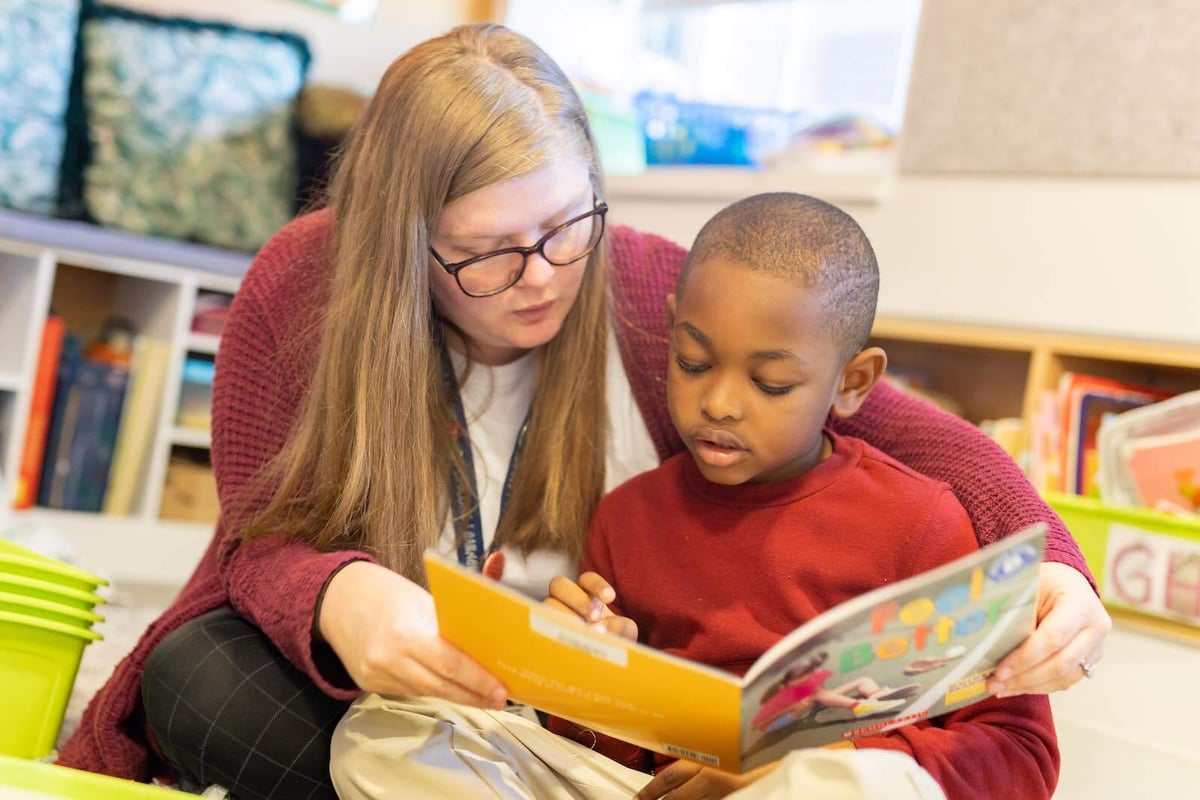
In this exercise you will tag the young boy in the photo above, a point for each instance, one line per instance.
(769, 518)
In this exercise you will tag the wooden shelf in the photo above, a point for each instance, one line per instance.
(1155, 626)
(206, 343)
(191, 437)
(693, 183)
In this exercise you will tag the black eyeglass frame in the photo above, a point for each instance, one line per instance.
(600, 209)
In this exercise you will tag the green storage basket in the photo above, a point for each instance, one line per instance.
(61, 783)
(48, 569)
(38, 663)
(48, 609)
(44, 590)
(1169, 537)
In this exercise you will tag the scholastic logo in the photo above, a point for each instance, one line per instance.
(886, 725)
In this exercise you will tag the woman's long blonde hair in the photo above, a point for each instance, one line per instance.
(369, 462)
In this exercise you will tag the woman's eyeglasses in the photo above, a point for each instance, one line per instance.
(492, 273)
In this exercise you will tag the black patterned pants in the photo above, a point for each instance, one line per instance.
(226, 707)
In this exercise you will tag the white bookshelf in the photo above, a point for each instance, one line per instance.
(205, 343)
(158, 299)
(190, 437)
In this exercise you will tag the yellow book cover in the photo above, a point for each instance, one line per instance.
(139, 418)
(912, 650)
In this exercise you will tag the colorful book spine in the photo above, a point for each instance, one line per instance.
(90, 395)
(138, 419)
(57, 462)
(29, 471)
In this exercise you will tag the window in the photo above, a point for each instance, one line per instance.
(736, 83)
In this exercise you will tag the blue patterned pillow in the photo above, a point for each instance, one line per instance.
(190, 127)
(37, 45)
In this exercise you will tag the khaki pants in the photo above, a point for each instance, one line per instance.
(425, 748)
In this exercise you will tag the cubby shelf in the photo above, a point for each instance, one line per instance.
(205, 343)
(997, 372)
(191, 437)
(158, 299)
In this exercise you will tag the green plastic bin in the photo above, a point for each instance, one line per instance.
(53, 782)
(48, 609)
(44, 590)
(48, 569)
(1173, 539)
(38, 663)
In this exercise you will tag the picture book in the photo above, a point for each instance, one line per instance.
(1166, 470)
(1085, 401)
(908, 651)
(138, 417)
(29, 471)
(83, 428)
(1179, 415)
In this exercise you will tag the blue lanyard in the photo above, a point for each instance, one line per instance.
(468, 528)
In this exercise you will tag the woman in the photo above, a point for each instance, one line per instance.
(463, 262)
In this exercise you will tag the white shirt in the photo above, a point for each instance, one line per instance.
(495, 401)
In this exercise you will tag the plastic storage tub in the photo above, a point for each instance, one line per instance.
(39, 781)
(48, 609)
(1143, 560)
(45, 590)
(18, 560)
(38, 663)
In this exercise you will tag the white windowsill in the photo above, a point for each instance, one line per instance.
(851, 178)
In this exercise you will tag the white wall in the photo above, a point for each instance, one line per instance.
(1103, 256)
(1106, 256)
(343, 54)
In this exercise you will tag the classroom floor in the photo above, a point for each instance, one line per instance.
(1131, 730)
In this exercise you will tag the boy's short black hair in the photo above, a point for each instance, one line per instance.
(801, 238)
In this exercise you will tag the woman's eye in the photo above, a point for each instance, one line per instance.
(766, 388)
(689, 366)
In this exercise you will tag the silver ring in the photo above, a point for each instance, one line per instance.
(1088, 669)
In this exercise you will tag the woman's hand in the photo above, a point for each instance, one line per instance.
(589, 601)
(1071, 628)
(383, 628)
(684, 780)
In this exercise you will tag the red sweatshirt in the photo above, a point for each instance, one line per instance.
(264, 367)
(718, 574)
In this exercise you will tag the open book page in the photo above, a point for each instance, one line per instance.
(1178, 415)
(1166, 470)
(915, 649)
(901, 653)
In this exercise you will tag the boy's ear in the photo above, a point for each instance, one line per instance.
(859, 376)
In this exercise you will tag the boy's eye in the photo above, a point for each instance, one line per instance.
(689, 366)
(772, 390)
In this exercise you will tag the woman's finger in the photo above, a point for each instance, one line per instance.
(414, 679)
(457, 671)
(1072, 627)
(1061, 670)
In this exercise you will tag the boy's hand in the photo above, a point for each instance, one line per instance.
(685, 780)
(589, 601)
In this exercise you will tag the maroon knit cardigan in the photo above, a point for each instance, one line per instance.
(264, 367)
